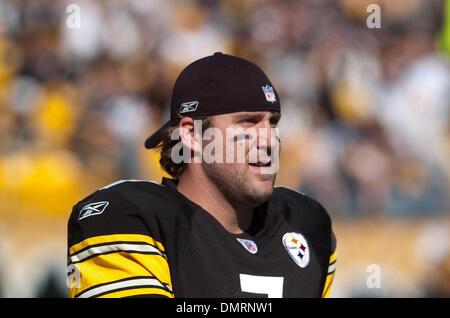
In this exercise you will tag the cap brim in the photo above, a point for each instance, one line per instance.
(156, 138)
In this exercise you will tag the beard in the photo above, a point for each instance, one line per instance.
(233, 181)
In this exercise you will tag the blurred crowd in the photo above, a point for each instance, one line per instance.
(365, 112)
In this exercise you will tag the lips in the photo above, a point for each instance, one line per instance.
(262, 160)
(260, 164)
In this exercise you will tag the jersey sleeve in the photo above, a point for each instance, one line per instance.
(331, 268)
(113, 251)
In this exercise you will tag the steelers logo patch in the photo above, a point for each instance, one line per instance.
(297, 247)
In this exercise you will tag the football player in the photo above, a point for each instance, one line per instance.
(218, 227)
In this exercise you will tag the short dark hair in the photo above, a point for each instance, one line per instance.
(175, 170)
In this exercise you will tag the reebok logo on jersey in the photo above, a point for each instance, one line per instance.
(297, 247)
(188, 107)
(95, 208)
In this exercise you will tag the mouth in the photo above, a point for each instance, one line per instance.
(261, 164)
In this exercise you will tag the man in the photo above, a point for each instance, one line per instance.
(219, 228)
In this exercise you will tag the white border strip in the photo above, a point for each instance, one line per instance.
(126, 247)
(332, 268)
(130, 180)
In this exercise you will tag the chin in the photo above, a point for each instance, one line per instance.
(262, 191)
(264, 181)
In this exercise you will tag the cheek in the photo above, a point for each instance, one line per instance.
(235, 171)
(228, 173)
(235, 152)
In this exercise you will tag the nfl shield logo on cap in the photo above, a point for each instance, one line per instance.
(269, 93)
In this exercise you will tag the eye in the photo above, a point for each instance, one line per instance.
(274, 121)
(249, 120)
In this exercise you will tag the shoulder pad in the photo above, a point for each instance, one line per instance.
(299, 202)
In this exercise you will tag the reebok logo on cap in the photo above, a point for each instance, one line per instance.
(188, 107)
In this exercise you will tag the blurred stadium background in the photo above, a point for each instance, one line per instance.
(365, 126)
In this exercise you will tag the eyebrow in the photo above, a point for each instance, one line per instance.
(274, 115)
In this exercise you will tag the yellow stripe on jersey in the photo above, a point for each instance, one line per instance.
(112, 263)
(330, 276)
(327, 288)
(137, 292)
(115, 238)
(333, 257)
(132, 284)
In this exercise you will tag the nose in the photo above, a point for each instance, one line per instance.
(267, 137)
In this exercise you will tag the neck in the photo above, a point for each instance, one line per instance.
(198, 188)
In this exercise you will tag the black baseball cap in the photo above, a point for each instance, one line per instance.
(218, 84)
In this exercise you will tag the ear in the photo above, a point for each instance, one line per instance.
(190, 132)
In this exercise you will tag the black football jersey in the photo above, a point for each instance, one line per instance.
(140, 238)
